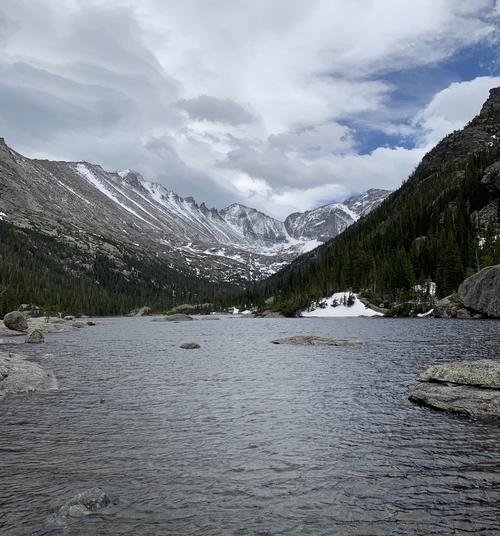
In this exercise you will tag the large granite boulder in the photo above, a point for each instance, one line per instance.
(468, 387)
(20, 376)
(84, 503)
(16, 321)
(481, 291)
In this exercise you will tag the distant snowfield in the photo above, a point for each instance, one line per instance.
(357, 309)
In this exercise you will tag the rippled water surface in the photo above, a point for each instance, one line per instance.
(245, 437)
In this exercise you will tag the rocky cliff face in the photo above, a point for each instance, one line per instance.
(114, 213)
(482, 131)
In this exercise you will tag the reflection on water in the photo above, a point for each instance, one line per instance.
(245, 437)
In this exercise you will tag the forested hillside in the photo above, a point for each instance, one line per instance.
(440, 226)
(38, 269)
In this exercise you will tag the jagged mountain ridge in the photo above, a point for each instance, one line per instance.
(83, 204)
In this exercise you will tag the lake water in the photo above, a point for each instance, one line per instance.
(243, 437)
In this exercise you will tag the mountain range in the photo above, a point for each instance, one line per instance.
(110, 213)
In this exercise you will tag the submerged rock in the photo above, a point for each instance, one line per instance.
(84, 503)
(312, 340)
(15, 321)
(19, 376)
(190, 345)
(469, 387)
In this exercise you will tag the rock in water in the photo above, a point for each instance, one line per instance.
(481, 373)
(463, 399)
(35, 335)
(16, 321)
(178, 317)
(468, 387)
(481, 291)
(20, 376)
(84, 503)
(311, 340)
(190, 345)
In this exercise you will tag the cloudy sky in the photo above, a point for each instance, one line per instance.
(282, 105)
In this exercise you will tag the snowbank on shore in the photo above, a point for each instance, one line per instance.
(330, 309)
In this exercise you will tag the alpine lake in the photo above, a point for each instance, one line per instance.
(245, 437)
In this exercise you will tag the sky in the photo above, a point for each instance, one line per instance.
(281, 105)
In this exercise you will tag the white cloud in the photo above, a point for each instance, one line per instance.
(254, 102)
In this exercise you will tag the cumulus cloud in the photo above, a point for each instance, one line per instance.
(259, 102)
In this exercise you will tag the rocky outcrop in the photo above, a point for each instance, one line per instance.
(20, 376)
(15, 321)
(35, 336)
(491, 179)
(180, 308)
(469, 387)
(190, 345)
(452, 307)
(479, 133)
(481, 291)
(493, 102)
(84, 504)
(312, 340)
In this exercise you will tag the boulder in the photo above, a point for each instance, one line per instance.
(34, 335)
(452, 307)
(69, 317)
(481, 291)
(467, 387)
(20, 376)
(190, 345)
(311, 340)
(16, 321)
(84, 503)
